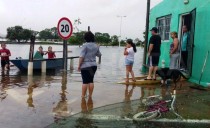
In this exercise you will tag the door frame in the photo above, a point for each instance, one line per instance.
(180, 33)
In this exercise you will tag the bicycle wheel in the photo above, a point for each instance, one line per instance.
(151, 100)
(143, 116)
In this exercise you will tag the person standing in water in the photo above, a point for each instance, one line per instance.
(129, 53)
(5, 54)
(87, 63)
(50, 53)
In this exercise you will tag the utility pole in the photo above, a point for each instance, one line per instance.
(146, 33)
(120, 27)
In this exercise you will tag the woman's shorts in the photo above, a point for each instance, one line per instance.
(88, 74)
(128, 62)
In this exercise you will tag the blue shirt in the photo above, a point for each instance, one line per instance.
(185, 40)
(89, 52)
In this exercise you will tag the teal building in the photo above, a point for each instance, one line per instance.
(171, 15)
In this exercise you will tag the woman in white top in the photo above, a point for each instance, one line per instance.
(129, 59)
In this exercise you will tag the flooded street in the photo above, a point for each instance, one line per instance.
(38, 101)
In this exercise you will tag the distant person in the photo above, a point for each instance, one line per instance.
(5, 54)
(50, 53)
(153, 53)
(184, 50)
(39, 54)
(129, 53)
(87, 63)
(174, 51)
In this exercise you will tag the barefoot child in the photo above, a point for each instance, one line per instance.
(4, 53)
(50, 53)
(129, 59)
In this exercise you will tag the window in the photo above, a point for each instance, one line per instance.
(163, 25)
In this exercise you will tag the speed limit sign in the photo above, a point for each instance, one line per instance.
(64, 28)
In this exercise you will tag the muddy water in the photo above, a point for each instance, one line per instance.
(36, 102)
(42, 99)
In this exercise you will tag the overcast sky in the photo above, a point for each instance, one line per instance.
(100, 15)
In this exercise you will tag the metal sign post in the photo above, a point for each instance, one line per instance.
(65, 49)
(65, 30)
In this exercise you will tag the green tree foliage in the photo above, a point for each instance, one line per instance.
(122, 42)
(17, 33)
(45, 34)
(26, 34)
(54, 33)
(102, 38)
(138, 42)
(77, 38)
(51, 33)
(114, 40)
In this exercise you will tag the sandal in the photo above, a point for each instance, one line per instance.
(134, 80)
(148, 79)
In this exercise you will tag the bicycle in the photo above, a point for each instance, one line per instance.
(156, 106)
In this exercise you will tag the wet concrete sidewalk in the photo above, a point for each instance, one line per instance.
(192, 104)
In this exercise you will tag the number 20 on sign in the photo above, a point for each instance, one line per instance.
(64, 28)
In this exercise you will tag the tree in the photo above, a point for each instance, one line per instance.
(138, 42)
(106, 38)
(114, 40)
(77, 38)
(14, 33)
(54, 33)
(17, 33)
(77, 22)
(45, 34)
(103, 38)
(26, 34)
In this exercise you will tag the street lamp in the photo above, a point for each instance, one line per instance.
(120, 26)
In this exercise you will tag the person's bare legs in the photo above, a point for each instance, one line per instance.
(91, 88)
(127, 73)
(132, 73)
(151, 69)
(84, 89)
(7, 66)
(154, 73)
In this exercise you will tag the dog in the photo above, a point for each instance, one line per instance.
(173, 74)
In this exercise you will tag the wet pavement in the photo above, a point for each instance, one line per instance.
(193, 105)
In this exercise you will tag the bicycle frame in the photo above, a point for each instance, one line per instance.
(158, 108)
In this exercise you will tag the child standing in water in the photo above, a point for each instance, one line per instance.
(50, 53)
(4, 53)
(129, 52)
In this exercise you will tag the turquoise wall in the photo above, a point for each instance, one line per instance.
(202, 32)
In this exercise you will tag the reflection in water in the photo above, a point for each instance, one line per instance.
(4, 84)
(30, 98)
(127, 108)
(61, 109)
(86, 109)
(32, 84)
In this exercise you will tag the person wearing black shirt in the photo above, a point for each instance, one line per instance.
(153, 53)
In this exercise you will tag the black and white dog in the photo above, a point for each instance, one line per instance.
(173, 74)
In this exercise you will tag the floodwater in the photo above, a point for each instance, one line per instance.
(38, 101)
(41, 100)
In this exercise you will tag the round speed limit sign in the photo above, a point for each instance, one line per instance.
(64, 28)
